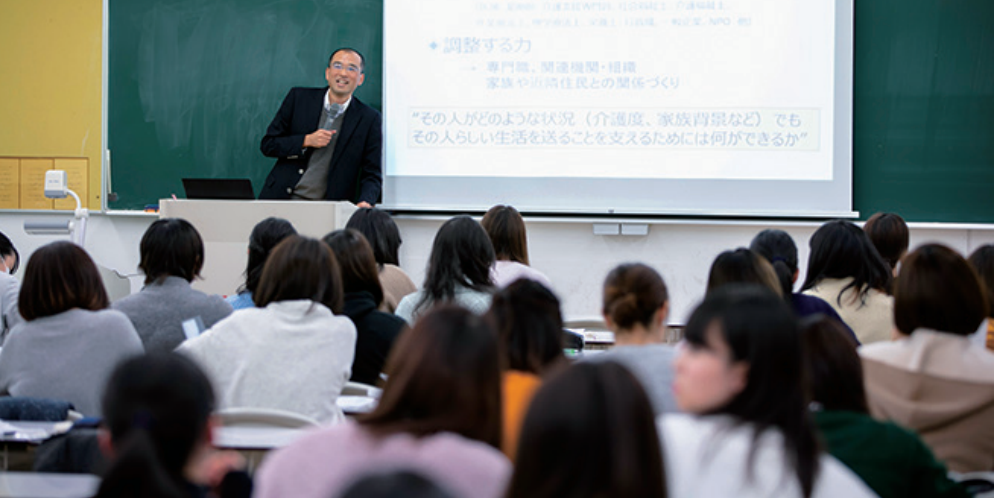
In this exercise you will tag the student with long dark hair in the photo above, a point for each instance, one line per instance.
(157, 433)
(740, 379)
(458, 271)
(439, 415)
(890, 236)
(376, 331)
(933, 367)
(846, 271)
(635, 304)
(293, 351)
(69, 342)
(893, 461)
(506, 229)
(527, 318)
(264, 237)
(590, 432)
(777, 247)
(172, 255)
(385, 239)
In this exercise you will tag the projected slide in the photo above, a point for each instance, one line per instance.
(622, 89)
(712, 107)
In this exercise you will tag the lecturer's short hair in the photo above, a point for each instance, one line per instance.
(362, 60)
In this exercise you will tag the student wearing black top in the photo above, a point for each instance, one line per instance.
(376, 330)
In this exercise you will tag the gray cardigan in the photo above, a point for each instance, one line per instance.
(67, 356)
(160, 308)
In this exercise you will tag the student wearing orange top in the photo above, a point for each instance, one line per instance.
(527, 318)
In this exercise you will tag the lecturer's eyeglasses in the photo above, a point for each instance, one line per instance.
(339, 65)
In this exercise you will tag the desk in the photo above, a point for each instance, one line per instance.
(21, 434)
(44, 485)
(225, 227)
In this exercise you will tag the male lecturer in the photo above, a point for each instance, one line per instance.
(327, 143)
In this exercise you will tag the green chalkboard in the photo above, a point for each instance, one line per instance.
(193, 84)
(922, 109)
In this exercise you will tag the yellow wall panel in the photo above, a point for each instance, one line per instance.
(10, 183)
(33, 183)
(50, 92)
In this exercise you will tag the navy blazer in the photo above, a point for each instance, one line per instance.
(354, 172)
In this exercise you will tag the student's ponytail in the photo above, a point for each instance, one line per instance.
(156, 408)
(778, 247)
(137, 472)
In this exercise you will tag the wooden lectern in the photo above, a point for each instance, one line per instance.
(225, 227)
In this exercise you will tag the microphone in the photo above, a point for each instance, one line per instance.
(333, 112)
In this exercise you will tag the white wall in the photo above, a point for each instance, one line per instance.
(566, 250)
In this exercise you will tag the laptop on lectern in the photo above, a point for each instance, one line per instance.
(218, 188)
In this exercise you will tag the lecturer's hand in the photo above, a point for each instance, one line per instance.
(318, 139)
(364, 204)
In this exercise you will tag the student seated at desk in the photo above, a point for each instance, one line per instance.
(635, 305)
(778, 248)
(589, 434)
(9, 286)
(506, 229)
(892, 460)
(385, 239)
(264, 237)
(458, 271)
(292, 351)
(846, 271)
(747, 431)
(157, 434)
(376, 331)
(527, 318)
(932, 378)
(172, 254)
(69, 342)
(440, 415)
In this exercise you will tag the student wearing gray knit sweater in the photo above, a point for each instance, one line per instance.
(69, 342)
(172, 254)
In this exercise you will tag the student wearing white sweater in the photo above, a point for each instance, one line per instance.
(291, 352)
(747, 432)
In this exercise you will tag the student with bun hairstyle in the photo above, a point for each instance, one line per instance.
(172, 255)
(264, 237)
(376, 331)
(157, 434)
(846, 271)
(747, 431)
(526, 316)
(385, 239)
(933, 379)
(293, 351)
(69, 341)
(892, 460)
(777, 247)
(890, 236)
(506, 229)
(439, 415)
(635, 305)
(459, 271)
(590, 433)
